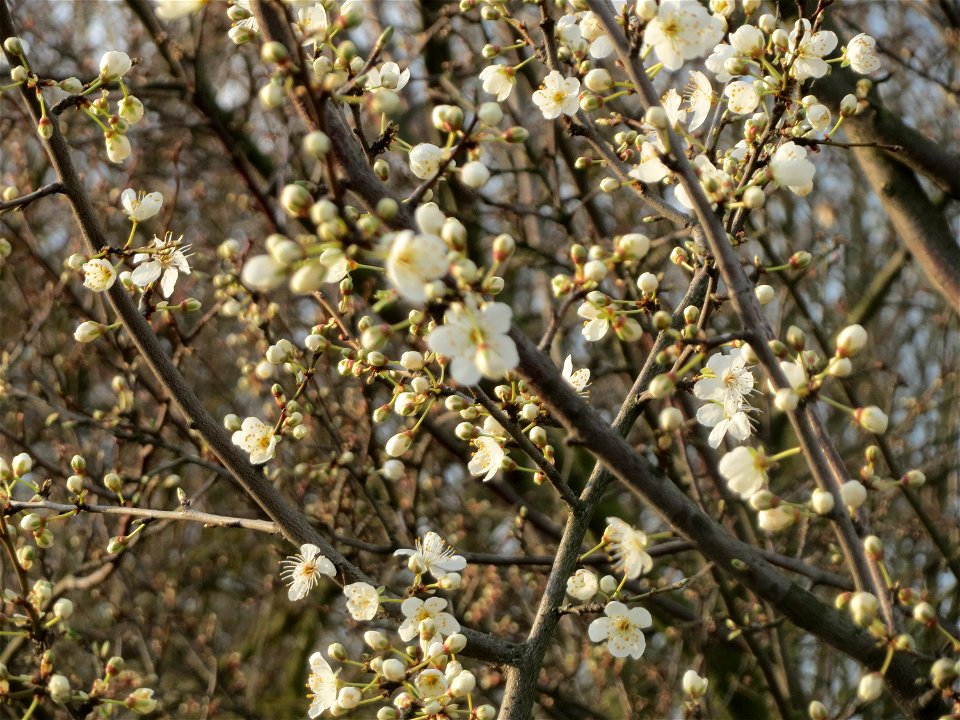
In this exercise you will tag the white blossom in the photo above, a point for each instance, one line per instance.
(726, 379)
(716, 63)
(790, 166)
(140, 206)
(415, 611)
(808, 48)
(498, 80)
(323, 686)
(862, 54)
(748, 41)
(303, 571)
(363, 600)
(425, 160)
(598, 320)
(715, 415)
(486, 457)
(621, 629)
(682, 30)
(114, 65)
(476, 340)
(579, 379)
(699, 94)
(387, 76)
(433, 555)
(262, 273)
(777, 518)
(257, 438)
(557, 95)
(629, 548)
(166, 257)
(414, 260)
(745, 470)
(742, 97)
(173, 9)
(583, 585)
(118, 146)
(99, 274)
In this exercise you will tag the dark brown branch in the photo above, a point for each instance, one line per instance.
(24, 200)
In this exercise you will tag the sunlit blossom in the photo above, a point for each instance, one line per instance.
(303, 571)
(622, 629)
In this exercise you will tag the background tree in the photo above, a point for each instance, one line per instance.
(295, 150)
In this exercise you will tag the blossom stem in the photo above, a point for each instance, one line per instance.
(888, 581)
(887, 660)
(133, 229)
(423, 415)
(835, 127)
(837, 405)
(33, 706)
(771, 69)
(785, 454)
(695, 360)
(592, 550)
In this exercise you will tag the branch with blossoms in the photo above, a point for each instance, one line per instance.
(369, 350)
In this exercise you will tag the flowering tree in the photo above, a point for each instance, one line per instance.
(534, 333)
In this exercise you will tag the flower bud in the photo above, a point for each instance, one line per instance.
(765, 294)
(463, 684)
(870, 687)
(754, 197)
(853, 493)
(88, 331)
(872, 419)
(59, 689)
(849, 105)
(913, 479)
(63, 609)
(113, 482)
(873, 546)
(863, 608)
(925, 614)
(851, 340)
(608, 584)
(393, 670)
(821, 501)
(943, 673)
(670, 419)
(694, 685)
(21, 464)
(661, 386)
(817, 711)
(32, 522)
(648, 283)
(399, 444)
(349, 697)
(657, 117)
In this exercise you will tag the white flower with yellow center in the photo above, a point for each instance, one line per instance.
(486, 457)
(742, 97)
(807, 50)
(257, 438)
(476, 340)
(598, 320)
(99, 274)
(165, 256)
(323, 686)
(861, 53)
(579, 379)
(682, 30)
(629, 548)
(791, 168)
(140, 206)
(498, 80)
(415, 259)
(699, 95)
(557, 96)
(745, 470)
(622, 629)
(416, 611)
(363, 600)
(431, 683)
(583, 585)
(303, 571)
(726, 379)
(433, 555)
(718, 416)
